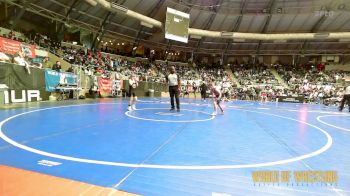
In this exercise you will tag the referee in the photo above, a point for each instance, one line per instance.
(174, 88)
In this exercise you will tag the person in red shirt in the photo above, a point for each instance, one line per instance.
(216, 94)
(263, 96)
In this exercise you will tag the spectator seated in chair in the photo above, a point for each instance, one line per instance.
(57, 67)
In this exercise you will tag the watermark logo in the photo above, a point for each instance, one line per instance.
(295, 178)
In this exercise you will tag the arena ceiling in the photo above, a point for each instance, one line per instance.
(254, 16)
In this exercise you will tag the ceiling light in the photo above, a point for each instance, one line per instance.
(321, 35)
(226, 34)
(146, 24)
(119, 7)
(91, 2)
(196, 36)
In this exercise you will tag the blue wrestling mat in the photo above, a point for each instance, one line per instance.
(152, 151)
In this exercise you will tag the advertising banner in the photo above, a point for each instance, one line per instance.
(21, 84)
(54, 78)
(9, 46)
(105, 85)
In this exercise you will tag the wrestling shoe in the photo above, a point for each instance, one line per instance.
(129, 108)
(213, 114)
(133, 107)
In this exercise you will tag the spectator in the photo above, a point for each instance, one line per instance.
(4, 57)
(70, 69)
(46, 63)
(19, 59)
(57, 67)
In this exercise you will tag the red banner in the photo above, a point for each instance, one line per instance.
(9, 46)
(105, 85)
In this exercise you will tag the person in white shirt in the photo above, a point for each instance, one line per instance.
(19, 59)
(4, 57)
(133, 84)
(336, 78)
(346, 97)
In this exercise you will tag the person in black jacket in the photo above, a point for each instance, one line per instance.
(346, 98)
(57, 66)
(204, 89)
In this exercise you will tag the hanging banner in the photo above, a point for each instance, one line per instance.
(105, 85)
(54, 78)
(9, 46)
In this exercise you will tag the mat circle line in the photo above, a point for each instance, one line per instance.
(129, 114)
(331, 125)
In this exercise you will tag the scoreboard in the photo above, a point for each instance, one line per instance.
(176, 25)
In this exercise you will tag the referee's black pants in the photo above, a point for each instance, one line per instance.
(174, 92)
(204, 94)
(346, 98)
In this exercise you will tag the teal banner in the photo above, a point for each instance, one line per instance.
(54, 78)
